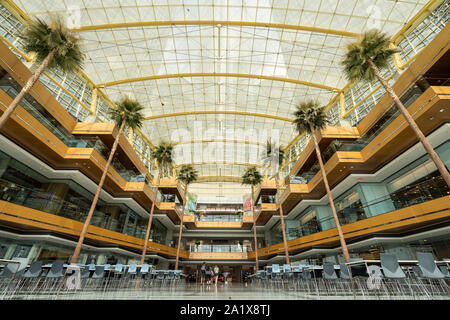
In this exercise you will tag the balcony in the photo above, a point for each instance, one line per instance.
(22, 209)
(218, 252)
(413, 206)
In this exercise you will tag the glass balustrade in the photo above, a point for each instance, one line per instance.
(432, 188)
(219, 218)
(218, 248)
(76, 209)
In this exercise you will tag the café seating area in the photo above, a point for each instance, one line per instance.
(386, 278)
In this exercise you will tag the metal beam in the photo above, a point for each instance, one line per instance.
(214, 74)
(178, 114)
(219, 179)
(213, 23)
(222, 162)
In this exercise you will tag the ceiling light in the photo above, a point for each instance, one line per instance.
(442, 110)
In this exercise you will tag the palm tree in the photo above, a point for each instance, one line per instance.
(55, 47)
(252, 177)
(128, 112)
(162, 153)
(270, 157)
(364, 60)
(187, 175)
(310, 117)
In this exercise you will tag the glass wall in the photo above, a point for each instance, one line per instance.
(365, 95)
(438, 245)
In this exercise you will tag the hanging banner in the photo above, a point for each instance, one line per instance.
(248, 204)
(192, 204)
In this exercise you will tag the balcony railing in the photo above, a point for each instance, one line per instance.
(218, 248)
(432, 188)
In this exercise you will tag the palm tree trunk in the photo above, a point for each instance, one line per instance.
(426, 144)
(286, 251)
(147, 234)
(330, 198)
(181, 229)
(97, 195)
(254, 231)
(30, 83)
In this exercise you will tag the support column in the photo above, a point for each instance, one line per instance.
(34, 252)
(10, 251)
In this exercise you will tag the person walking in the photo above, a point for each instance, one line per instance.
(208, 274)
(203, 273)
(216, 273)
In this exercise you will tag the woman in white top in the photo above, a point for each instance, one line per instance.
(216, 273)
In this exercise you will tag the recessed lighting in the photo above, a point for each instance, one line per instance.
(442, 110)
(431, 118)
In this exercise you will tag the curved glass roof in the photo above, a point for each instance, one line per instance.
(220, 77)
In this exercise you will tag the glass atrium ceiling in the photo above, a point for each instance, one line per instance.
(220, 77)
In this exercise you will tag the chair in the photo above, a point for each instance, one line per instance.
(97, 279)
(431, 273)
(171, 276)
(33, 275)
(428, 266)
(347, 279)
(54, 277)
(276, 276)
(394, 277)
(132, 271)
(144, 270)
(391, 268)
(329, 278)
(160, 276)
(306, 282)
(10, 275)
(86, 272)
(287, 272)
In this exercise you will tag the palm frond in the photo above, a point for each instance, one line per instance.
(252, 177)
(42, 37)
(162, 153)
(187, 174)
(130, 110)
(373, 45)
(308, 114)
